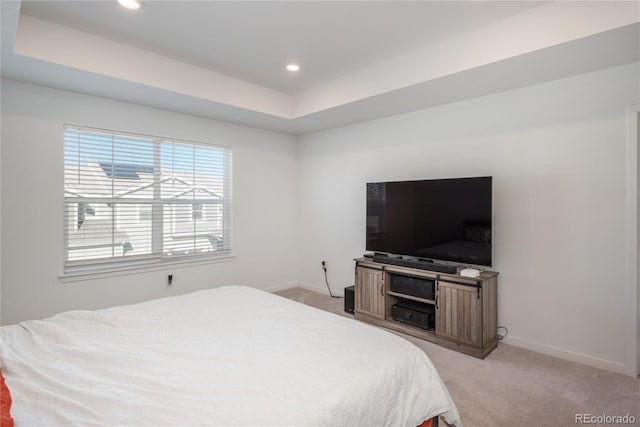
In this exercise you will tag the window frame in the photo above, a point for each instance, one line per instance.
(157, 256)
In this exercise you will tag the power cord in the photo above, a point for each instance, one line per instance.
(326, 280)
(506, 331)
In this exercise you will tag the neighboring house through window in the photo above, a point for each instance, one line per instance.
(83, 210)
(196, 212)
(136, 198)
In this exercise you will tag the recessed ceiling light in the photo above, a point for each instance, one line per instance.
(293, 67)
(130, 4)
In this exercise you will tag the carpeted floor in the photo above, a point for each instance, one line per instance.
(515, 387)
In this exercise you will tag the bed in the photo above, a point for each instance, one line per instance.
(229, 356)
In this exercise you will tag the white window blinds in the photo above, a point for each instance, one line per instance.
(132, 198)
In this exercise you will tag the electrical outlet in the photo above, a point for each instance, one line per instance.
(324, 265)
(170, 279)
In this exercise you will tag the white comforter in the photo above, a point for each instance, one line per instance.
(230, 356)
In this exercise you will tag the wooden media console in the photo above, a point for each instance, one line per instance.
(465, 312)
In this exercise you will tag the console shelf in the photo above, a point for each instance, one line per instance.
(411, 297)
(465, 309)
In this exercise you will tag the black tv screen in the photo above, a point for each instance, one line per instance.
(440, 219)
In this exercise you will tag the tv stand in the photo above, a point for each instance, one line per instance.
(464, 310)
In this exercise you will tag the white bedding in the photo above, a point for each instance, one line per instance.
(230, 356)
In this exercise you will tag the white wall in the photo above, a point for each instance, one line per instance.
(32, 203)
(1, 87)
(637, 266)
(556, 152)
(557, 155)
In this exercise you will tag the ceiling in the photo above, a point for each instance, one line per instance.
(359, 60)
(253, 41)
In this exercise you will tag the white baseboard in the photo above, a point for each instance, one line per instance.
(280, 287)
(310, 287)
(322, 289)
(561, 353)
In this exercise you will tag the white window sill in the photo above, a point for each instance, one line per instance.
(91, 273)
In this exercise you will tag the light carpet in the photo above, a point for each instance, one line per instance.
(515, 387)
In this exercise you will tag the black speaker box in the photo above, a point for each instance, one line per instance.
(349, 299)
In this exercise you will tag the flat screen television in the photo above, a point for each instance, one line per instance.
(438, 219)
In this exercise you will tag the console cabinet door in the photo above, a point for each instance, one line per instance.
(369, 292)
(459, 313)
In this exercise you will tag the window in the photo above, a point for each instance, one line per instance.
(132, 198)
(196, 212)
(145, 213)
